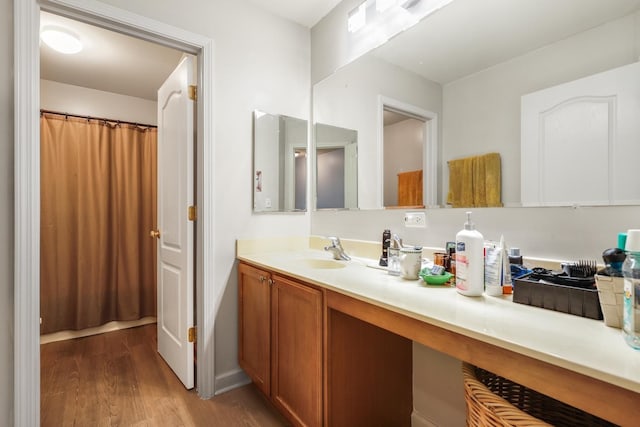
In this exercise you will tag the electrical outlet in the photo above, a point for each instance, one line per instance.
(267, 203)
(415, 219)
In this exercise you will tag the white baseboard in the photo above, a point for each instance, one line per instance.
(417, 420)
(230, 380)
(107, 327)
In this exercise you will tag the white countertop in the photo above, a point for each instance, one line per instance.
(576, 343)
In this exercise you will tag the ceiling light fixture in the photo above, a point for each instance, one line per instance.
(61, 39)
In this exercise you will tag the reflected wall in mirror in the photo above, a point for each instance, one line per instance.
(279, 163)
(475, 79)
(336, 167)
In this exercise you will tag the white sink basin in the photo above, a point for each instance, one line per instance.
(324, 263)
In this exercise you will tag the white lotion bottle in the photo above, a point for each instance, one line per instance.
(469, 260)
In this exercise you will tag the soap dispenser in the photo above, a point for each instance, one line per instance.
(386, 242)
(469, 260)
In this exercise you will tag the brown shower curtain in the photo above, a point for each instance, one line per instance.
(98, 204)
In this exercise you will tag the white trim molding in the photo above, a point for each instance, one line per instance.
(230, 380)
(26, 383)
(27, 185)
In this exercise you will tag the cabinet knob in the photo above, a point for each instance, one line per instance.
(154, 234)
(262, 279)
(271, 282)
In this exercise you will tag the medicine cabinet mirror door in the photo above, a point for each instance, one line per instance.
(279, 163)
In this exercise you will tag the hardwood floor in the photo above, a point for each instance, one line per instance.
(118, 379)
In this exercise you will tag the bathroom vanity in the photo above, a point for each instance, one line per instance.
(330, 342)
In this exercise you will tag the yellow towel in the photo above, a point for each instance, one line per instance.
(475, 181)
(410, 188)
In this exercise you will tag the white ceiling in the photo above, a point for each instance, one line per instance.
(304, 12)
(109, 61)
(121, 64)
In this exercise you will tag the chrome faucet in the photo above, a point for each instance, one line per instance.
(336, 249)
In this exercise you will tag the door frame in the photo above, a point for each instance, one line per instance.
(429, 151)
(26, 21)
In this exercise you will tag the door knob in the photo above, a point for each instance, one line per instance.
(154, 233)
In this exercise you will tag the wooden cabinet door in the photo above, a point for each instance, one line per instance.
(297, 351)
(254, 340)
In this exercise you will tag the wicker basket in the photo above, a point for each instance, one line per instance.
(495, 401)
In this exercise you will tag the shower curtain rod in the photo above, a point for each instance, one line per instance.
(43, 111)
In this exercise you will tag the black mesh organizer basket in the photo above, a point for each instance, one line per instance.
(568, 295)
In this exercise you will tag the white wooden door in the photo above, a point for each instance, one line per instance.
(176, 231)
(579, 143)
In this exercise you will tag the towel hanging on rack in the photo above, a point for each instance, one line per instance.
(475, 181)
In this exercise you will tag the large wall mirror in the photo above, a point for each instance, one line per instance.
(474, 68)
(279, 163)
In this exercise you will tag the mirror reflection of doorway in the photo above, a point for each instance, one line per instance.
(403, 151)
(300, 182)
(407, 145)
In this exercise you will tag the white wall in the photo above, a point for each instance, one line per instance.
(438, 392)
(6, 213)
(481, 112)
(64, 98)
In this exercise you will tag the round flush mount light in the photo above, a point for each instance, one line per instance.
(61, 39)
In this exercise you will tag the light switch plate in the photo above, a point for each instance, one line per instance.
(415, 219)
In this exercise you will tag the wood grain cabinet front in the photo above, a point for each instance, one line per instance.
(280, 342)
(254, 314)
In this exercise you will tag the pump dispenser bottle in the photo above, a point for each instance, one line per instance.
(469, 260)
(386, 242)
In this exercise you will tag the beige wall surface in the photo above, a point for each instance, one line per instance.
(6, 213)
(65, 98)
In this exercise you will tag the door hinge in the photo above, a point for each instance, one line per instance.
(193, 92)
(193, 213)
(192, 334)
